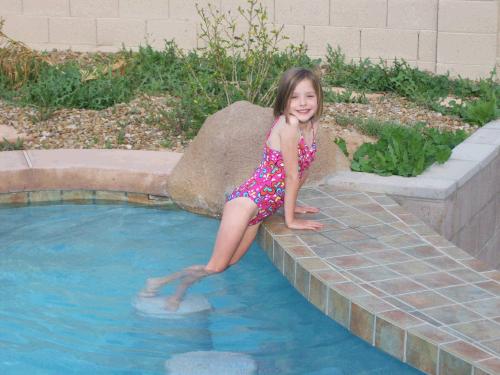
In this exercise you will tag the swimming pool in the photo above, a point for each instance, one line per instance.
(68, 279)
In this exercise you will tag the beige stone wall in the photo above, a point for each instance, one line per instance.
(460, 36)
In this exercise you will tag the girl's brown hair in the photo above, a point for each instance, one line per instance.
(289, 80)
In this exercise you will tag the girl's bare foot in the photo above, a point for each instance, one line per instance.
(172, 303)
(152, 286)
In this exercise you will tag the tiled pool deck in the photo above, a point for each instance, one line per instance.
(391, 280)
(374, 268)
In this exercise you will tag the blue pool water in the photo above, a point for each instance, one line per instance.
(69, 274)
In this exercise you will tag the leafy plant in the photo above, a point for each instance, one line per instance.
(5, 145)
(18, 63)
(478, 99)
(233, 66)
(339, 141)
(347, 96)
(406, 151)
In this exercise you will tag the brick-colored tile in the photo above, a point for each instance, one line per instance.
(338, 307)
(289, 267)
(302, 278)
(452, 314)
(374, 273)
(487, 367)
(389, 338)
(77, 195)
(299, 251)
(362, 323)
(488, 307)
(437, 280)
(421, 354)
(111, 196)
(331, 250)
(414, 267)
(479, 330)
(366, 245)
(467, 275)
(450, 364)
(425, 299)
(398, 286)
(350, 261)
(388, 256)
(372, 304)
(14, 198)
(465, 293)
(317, 292)
(45, 196)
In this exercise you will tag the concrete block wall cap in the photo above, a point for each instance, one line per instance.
(489, 136)
(457, 170)
(479, 152)
(432, 188)
(12, 160)
(131, 160)
(492, 125)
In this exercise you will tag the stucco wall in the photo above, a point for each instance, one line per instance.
(460, 36)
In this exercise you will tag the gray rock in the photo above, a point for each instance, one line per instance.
(10, 134)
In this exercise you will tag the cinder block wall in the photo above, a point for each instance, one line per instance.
(460, 36)
(470, 217)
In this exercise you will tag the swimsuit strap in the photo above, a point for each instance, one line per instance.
(270, 130)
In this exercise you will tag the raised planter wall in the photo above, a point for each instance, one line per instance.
(459, 36)
(459, 199)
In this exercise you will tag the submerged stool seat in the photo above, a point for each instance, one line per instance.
(156, 306)
(211, 363)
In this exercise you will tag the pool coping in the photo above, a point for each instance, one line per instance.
(140, 177)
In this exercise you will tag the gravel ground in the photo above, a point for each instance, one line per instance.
(143, 123)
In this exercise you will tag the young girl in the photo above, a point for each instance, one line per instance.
(289, 150)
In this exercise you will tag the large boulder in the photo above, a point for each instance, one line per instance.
(225, 153)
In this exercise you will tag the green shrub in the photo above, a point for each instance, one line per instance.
(479, 98)
(406, 151)
(64, 86)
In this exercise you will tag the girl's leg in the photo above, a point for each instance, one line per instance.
(232, 232)
(195, 275)
(235, 217)
(245, 243)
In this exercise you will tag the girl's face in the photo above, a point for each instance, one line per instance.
(303, 102)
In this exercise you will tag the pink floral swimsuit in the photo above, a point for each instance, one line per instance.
(267, 185)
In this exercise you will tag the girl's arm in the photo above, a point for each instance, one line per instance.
(289, 137)
(305, 209)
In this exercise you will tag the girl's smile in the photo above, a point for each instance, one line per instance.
(303, 102)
